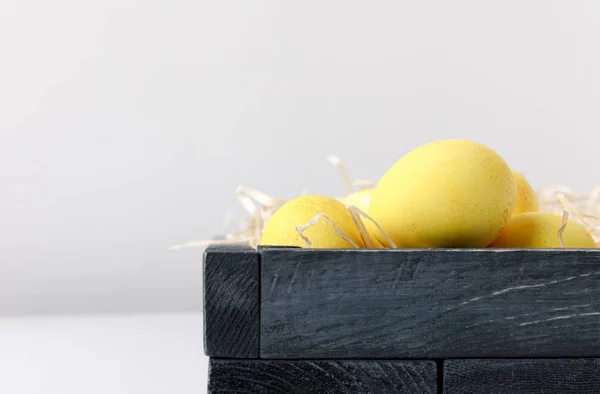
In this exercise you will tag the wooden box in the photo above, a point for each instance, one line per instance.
(291, 320)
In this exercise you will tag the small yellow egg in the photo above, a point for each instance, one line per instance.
(526, 200)
(362, 200)
(281, 228)
(449, 193)
(539, 230)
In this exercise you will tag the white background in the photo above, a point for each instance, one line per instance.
(100, 354)
(127, 125)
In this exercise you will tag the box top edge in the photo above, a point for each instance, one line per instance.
(293, 249)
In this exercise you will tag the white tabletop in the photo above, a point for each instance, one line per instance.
(117, 354)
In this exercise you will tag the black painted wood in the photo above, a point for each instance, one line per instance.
(534, 376)
(231, 301)
(261, 247)
(430, 303)
(322, 377)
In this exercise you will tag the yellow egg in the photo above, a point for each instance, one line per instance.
(362, 200)
(449, 193)
(281, 228)
(526, 200)
(539, 230)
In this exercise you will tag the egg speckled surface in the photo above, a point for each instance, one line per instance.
(449, 193)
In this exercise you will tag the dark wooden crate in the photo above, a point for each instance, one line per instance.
(404, 304)
(231, 302)
(322, 376)
(506, 376)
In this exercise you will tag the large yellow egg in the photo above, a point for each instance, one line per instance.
(449, 193)
(362, 200)
(281, 228)
(539, 230)
(526, 200)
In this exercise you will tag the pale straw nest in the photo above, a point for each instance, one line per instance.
(582, 207)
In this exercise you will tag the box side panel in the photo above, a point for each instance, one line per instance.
(581, 376)
(322, 376)
(430, 303)
(231, 302)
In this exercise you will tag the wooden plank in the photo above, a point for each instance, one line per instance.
(430, 303)
(314, 376)
(581, 376)
(231, 301)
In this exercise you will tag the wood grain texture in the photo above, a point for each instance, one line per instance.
(430, 303)
(231, 301)
(322, 377)
(535, 376)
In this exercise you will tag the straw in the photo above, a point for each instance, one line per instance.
(337, 162)
(582, 208)
(362, 231)
(315, 220)
(362, 213)
(559, 199)
(565, 221)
